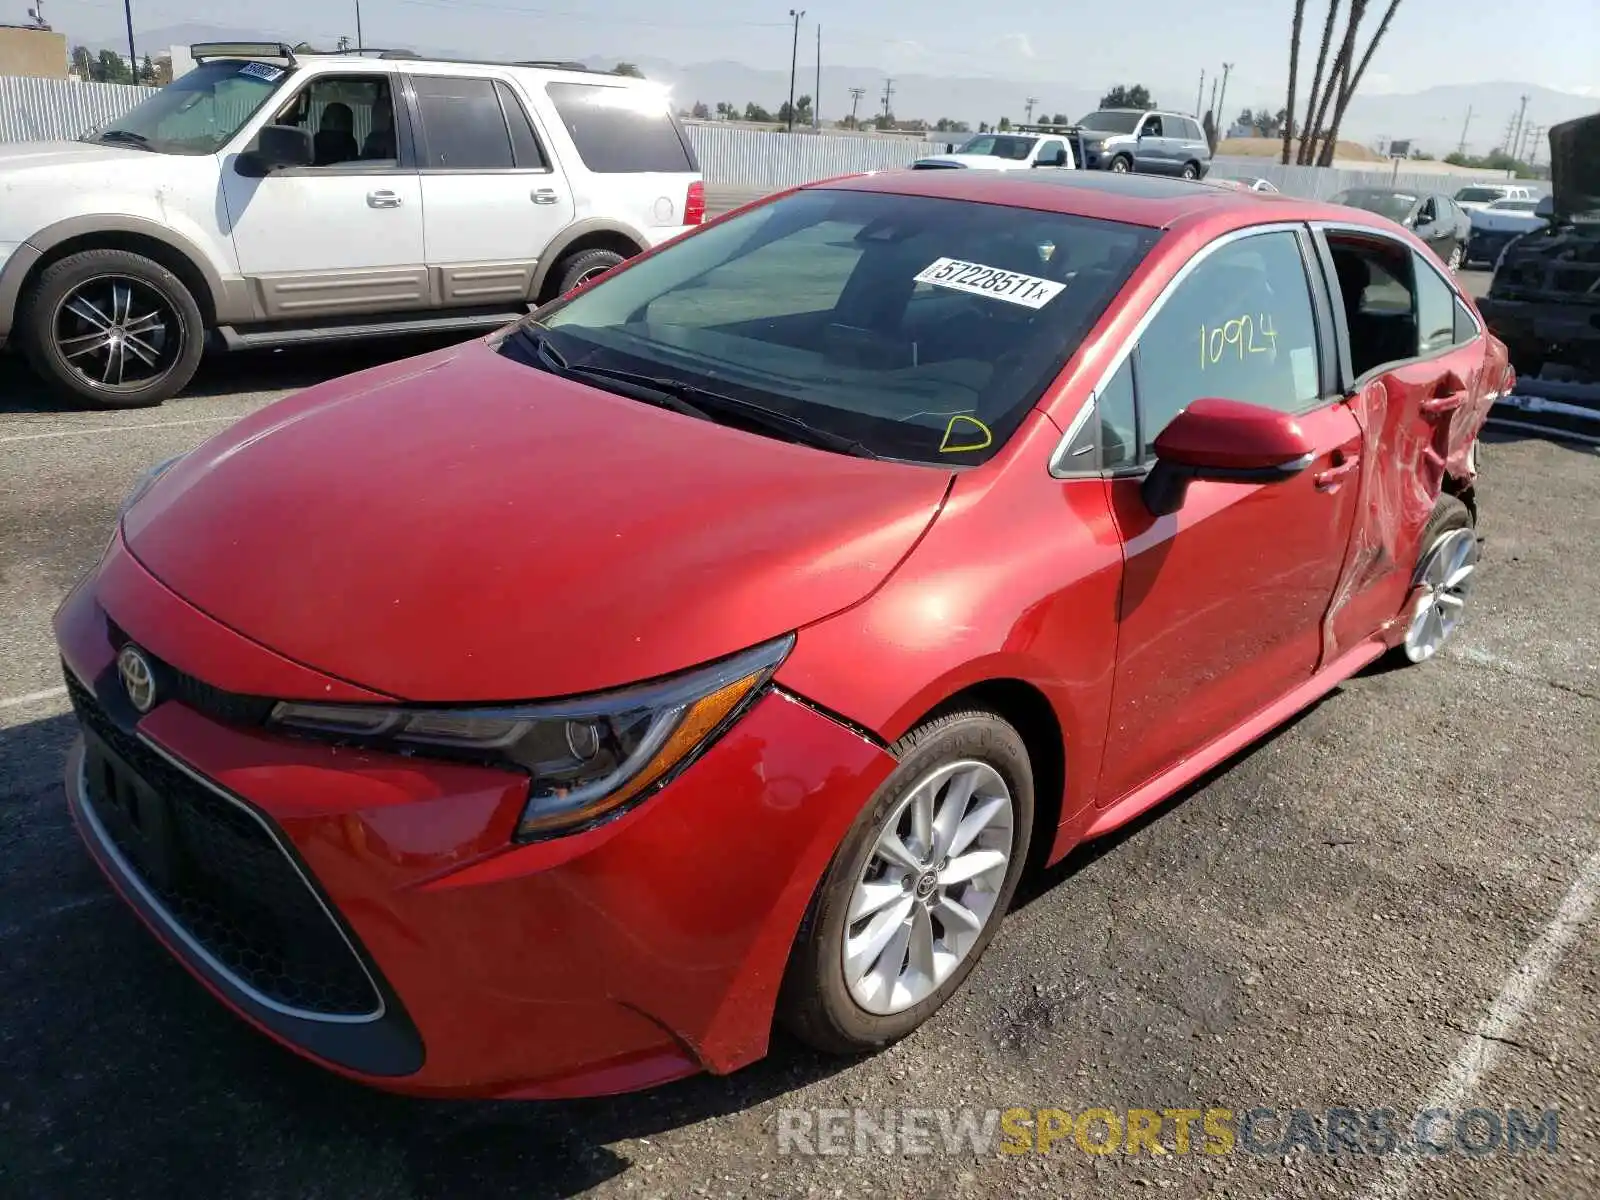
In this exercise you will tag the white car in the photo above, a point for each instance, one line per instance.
(1252, 183)
(1495, 227)
(1007, 152)
(1484, 194)
(268, 198)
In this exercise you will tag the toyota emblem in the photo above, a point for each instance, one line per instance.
(138, 679)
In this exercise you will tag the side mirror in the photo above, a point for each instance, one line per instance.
(1224, 441)
(277, 147)
(1546, 207)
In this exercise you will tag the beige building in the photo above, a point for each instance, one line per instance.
(38, 52)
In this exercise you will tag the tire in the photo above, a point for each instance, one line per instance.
(1449, 543)
(66, 317)
(1191, 170)
(817, 1003)
(1121, 165)
(585, 265)
(1457, 259)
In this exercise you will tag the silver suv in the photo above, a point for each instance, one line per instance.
(1155, 143)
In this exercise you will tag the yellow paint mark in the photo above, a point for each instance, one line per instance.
(982, 430)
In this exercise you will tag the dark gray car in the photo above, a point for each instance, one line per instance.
(1433, 217)
(1154, 143)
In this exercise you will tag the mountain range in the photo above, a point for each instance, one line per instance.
(1435, 119)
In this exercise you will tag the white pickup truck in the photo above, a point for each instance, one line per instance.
(270, 197)
(1007, 152)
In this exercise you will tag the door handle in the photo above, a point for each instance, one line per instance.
(544, 196)
(383, 200)
(1332, 479)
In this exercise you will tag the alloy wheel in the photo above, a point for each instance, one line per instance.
(117, 333)
(1119, 165)
(1444, 580)
(1455, 260)
(929, 887)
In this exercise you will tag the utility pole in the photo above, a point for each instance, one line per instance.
(816, 97)
(1516, 138)
(1200, 94)
(855, 102)
(1533, 144)
(1223, 124)
(133, 54)
(1028, 108)
(888, 91)
(1461, 147)
(794, 61)
(360, 45)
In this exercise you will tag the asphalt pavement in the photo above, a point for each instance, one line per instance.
(1389, 904)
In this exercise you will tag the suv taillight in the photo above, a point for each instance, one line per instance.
(694, 208)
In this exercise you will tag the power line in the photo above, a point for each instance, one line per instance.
(1028, 108)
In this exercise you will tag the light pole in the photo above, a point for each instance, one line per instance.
(133, 55)
(360, 45)
(1223, 125)
(794, 61)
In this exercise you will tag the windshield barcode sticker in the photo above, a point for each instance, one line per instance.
(262, 71)
(1026, 290)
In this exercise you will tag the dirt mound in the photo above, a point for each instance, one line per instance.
(1273, 148)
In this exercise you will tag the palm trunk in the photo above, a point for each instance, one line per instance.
(1338, 77)
(1355, 81)
(1308, 131)
(1294, 68)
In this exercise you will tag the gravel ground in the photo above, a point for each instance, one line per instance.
(1328, 921)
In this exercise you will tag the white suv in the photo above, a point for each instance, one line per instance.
(268, 198)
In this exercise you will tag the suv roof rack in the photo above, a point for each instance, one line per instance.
(201, 51)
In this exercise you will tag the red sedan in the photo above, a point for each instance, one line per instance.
(549, 715)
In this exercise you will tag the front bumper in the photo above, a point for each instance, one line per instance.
(641, 951)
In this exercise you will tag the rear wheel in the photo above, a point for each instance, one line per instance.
(584, 266)
(1442, 581)
(1191, 170)
(1456, 259)
(916, 890)
(113, 328)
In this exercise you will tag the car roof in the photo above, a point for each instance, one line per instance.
(1149, 200)
(398, 61)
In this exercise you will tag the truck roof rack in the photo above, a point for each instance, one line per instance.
(201, 51)
(1047, 127)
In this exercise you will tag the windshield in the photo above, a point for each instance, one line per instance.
(1396, 206)
(199, 112)
(1478, 195)
(1001, 146)
(920, 328)
(1112, 122)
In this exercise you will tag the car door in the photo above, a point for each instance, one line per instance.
(491, 192)
(1223, 601)
(1414, 365)
(343, 236)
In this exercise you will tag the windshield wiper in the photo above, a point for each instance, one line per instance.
(695, 401)
(124, 135)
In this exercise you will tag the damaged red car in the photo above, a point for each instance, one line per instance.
(554, 714)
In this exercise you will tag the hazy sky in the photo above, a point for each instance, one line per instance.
(1163, 43)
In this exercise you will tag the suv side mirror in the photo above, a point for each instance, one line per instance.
(277, 147)
(1546, 207)
(1225, 441)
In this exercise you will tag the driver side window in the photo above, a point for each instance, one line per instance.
(1152, 127)
(350, 118)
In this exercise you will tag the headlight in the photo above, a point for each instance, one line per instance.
(587, 759)
(143, 486)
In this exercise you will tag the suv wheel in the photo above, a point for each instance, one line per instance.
(1191, 170)
(1122, 164)
(585, 265)
(113, 328)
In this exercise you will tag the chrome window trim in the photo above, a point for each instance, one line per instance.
(1128, 343)
(130, 875)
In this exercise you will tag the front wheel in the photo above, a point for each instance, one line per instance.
(113, 328)
(916, 890)
(1122, 164)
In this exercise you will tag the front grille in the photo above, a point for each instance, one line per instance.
(230, 708)
(223, 878)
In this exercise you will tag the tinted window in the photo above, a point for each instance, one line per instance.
(1192, 131)
(1000, 146)
(923, 328)
(620, 129)
(1394, 205)
(1436, 311)
(525, 146)
(1112, 122)
(1240, 326)
(463, 124)
(1152, 127)
(1048, 151)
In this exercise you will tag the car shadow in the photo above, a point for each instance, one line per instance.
(228, 374)
(122, 1076)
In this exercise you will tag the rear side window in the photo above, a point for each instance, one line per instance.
(1436, 311)
(620, 130)
(524, 143)
(463, 124)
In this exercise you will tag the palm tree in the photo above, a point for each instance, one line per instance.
(1294, 68)
(1355, 82)
(1338, 77)
(1308, 131)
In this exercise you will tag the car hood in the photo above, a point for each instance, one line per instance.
(1575, 166)
(988, 162)
(462, 527)
(36, 156)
